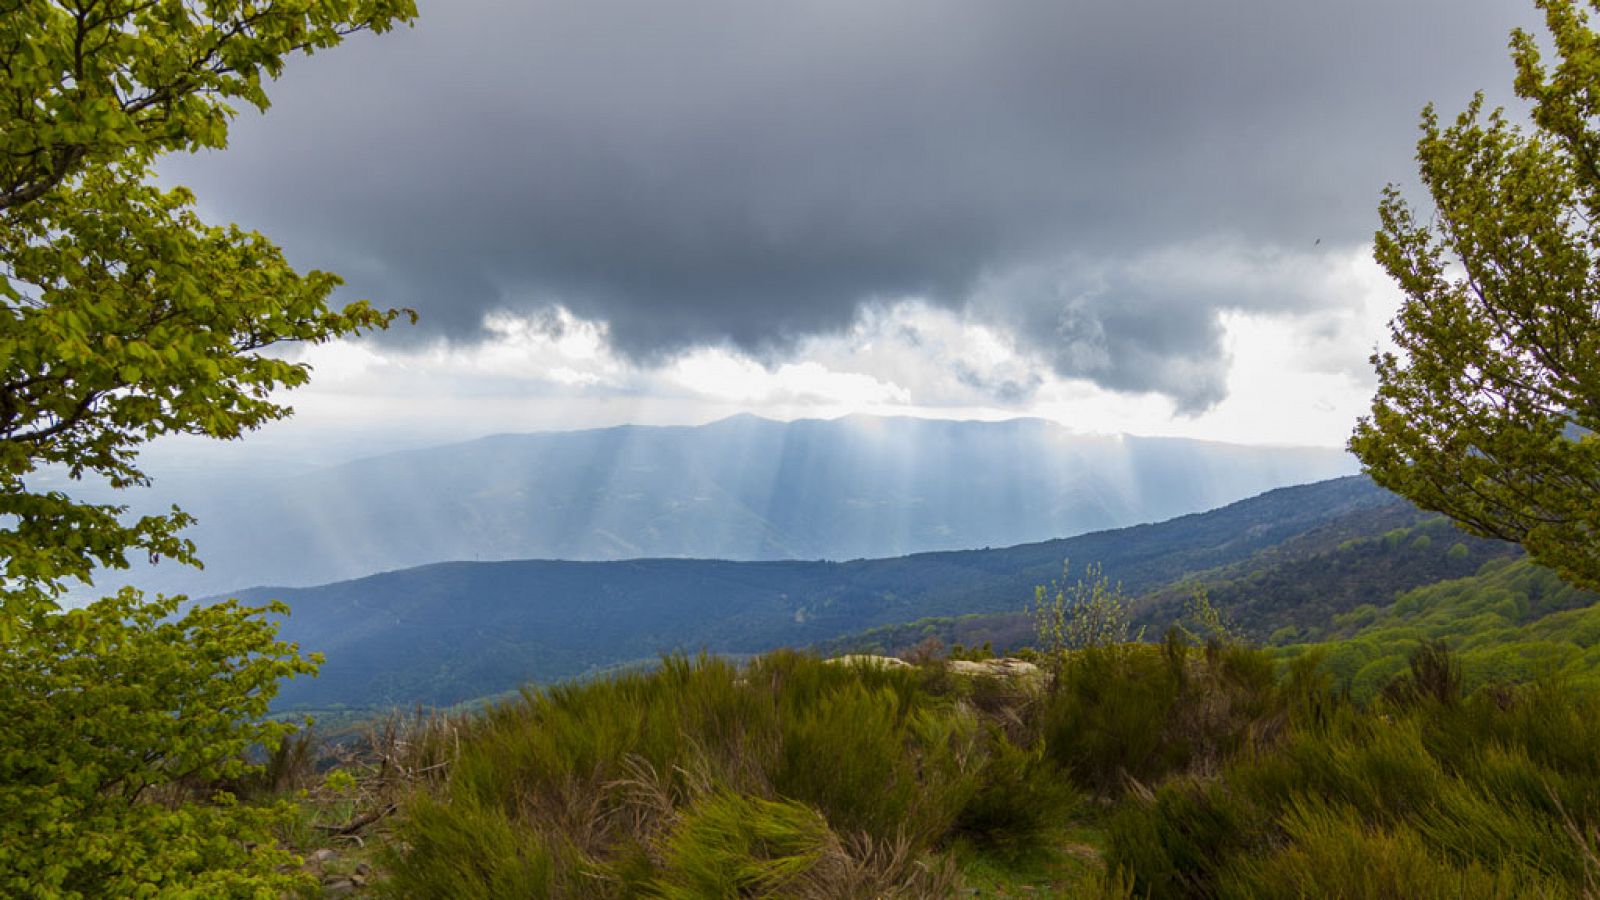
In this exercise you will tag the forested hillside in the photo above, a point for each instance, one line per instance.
(1289, 591)
(1513, 622)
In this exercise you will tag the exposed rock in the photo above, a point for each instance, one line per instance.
(1003, 667)
(1000, 667)
(867, 659)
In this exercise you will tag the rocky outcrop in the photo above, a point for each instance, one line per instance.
(999, 667)
(867, 659)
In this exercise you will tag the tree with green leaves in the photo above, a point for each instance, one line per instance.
(1088, 613)
(1489, 411)
(123, 318)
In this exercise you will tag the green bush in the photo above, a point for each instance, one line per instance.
(1434, 676)
(1107, 717)
(1142, 712)
(794, 777)
(1177, 842)
(121, 726)
(1333, 854)
(846, 753)
(1022, 800)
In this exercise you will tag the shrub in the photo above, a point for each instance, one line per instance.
(1141, 712)
(1332, 854)
(799, 778)
(1107, 718)
(1177, 842)
(1496, 795)
(1088, 613)
(846, 753)
(118, 722)
(1021, 802)
(1434, 676)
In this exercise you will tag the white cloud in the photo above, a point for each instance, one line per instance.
(1292, 377)
(722, 375)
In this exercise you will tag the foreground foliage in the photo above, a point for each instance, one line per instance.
(1424, 794)
(793, 777)
(1207, 770)
(125, 318)
(114, 721)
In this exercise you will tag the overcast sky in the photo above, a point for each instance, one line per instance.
(1127, 216)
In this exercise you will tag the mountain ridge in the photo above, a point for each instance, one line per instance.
(452, 631)
(741, 488)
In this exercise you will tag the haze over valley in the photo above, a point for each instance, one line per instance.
(743, 488)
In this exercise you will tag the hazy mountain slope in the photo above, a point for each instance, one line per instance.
(449, 632)
(741, 488)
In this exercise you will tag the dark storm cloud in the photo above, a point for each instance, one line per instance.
(703, 171)
(1140, 321)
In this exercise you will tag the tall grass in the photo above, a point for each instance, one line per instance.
(791, 776)
(1217, 775)
(1424, 794)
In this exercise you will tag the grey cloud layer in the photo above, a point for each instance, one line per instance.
(712, 170)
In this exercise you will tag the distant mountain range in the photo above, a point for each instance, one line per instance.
(451, 632)
(743, 488)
